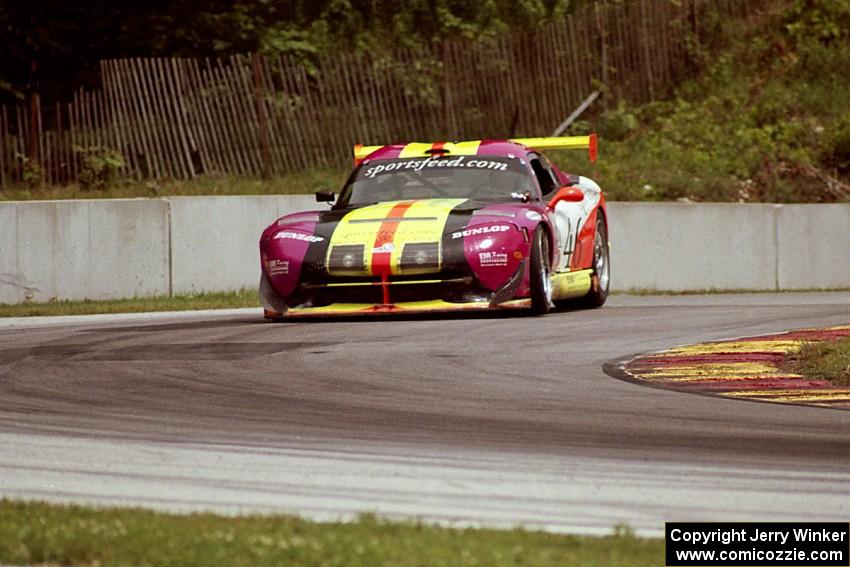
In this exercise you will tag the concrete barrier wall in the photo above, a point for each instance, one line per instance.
(83, 249)
(684, 247)
(140, 247)
(814, 246)
(215, 240)
(10, 280)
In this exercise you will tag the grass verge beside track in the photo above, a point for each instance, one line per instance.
(73, 535)
(194, 302)
(825, 360)
(244, 298)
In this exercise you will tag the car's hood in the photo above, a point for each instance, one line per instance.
(421, 220)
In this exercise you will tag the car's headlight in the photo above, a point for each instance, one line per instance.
(347, 258)
(420, 255)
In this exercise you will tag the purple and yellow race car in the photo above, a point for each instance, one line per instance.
(488, 224)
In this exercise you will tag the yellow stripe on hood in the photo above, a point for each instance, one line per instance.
(423, 222)
(420, 149)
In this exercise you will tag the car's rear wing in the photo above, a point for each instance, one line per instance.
(589, 143)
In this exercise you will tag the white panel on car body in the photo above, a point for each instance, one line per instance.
(570, 219)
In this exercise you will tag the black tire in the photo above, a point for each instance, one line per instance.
(601, 267)
(540, 274)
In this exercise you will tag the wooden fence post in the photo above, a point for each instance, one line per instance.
(262, 117)
(600, 27)
(174, 118)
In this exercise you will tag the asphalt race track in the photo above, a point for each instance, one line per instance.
(497, 420)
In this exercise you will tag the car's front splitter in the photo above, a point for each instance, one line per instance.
(433, 306)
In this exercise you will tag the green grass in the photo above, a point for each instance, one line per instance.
(244, 298)
(213, 300)
(33, 533)
(825, 360)
(308, 181)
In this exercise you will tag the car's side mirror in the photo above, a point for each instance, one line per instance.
(325, 196)
(568, 193)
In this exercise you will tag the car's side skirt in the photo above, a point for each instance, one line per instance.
(567, 285)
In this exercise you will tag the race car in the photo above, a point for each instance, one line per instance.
(486, 224)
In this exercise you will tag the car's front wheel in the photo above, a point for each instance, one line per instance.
(540, 278)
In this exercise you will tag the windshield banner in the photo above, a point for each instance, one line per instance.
(418, 164)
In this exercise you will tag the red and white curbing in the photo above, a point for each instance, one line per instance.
(748, 368)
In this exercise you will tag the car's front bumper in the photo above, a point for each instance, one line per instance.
(371, 297)
(431, 306)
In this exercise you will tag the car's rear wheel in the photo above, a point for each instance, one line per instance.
(601, 266)
(540, 278)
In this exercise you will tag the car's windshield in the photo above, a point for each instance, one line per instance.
(487, 178)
